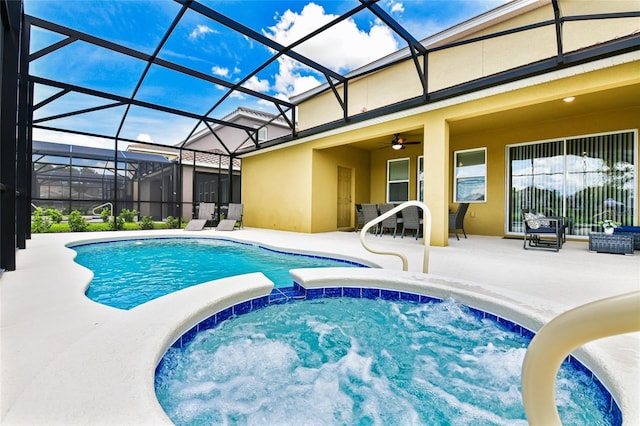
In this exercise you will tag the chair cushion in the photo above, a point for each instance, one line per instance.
(532, 220)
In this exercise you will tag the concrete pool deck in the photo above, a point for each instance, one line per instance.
(68, 360)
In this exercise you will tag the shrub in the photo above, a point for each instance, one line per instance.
(117, 223)
(77, 223)
(172, 222)
(54, 214)
(40, 222)
(128, 215)
(105, 214)
(146, 223)
(99, 226)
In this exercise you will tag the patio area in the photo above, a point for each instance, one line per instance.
(55, 340)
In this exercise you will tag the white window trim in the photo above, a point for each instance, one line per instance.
(408, 160)
(455, 167)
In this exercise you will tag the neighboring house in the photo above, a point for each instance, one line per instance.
(205, 175)
(491, 129)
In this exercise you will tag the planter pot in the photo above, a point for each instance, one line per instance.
(608, 231)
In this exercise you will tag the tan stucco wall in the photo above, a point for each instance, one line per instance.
(464, 63)
(307, 201)
(276, 189)
(489, 218)
(324, 214)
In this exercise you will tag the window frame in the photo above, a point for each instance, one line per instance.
(399, 181)
(483, 175)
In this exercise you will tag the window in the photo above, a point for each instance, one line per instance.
(470, 176)
(586, 179)
(420, 191)
(398, 180)
(262, 134)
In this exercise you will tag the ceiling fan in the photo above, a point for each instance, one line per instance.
(398, 143)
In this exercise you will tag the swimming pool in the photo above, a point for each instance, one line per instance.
(373, 357)
(131, 272)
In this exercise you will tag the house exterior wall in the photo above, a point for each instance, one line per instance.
(461, 64)
(277, 189)
(311, 166)
(524, 111)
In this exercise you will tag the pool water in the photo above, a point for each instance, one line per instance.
(362, 362)
(132, 272)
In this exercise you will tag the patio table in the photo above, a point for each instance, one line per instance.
(617, 243)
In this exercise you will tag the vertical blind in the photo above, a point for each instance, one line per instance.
(586, 179)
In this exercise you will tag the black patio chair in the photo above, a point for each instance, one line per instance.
(542, 232)
(456, 220)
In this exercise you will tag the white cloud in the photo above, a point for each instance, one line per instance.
(200, 31)
(144, 137)
(396, 7)
(221, 71)
(341, 48)
(254, 83)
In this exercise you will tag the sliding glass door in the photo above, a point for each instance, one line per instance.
(586, 179)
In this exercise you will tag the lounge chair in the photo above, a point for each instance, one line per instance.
(542, 232)
(206, 213)
(411, 220)
(235, 213)
(456, 220)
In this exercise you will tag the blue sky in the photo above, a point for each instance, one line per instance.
(210, 48)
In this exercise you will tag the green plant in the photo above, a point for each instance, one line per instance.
(146, 222)
(40, 222)
(54, 214)
(172, 222)
(608, 224)
(77, 223)
(105, 214)
(117, 223)
(128, 215)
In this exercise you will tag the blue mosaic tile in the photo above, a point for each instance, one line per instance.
(260, 302)
(390, 294)
(370, 293)
(224, 314)
(333, 292)
(476, 312)
(492, 317)
(314, 293)
(208, 323)
(189, 335)
(277, 297)
(525, 332)
(242, 308)
(428, 299)
(410, 297)
(352, 292)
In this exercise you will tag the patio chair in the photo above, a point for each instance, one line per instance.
(205, 214)
(235, 213)
(370, 212)
(411, 220)
(391, 222)
(359, 217)
(542, 232)
(456, 220)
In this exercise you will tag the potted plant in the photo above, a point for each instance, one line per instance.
(609, 225)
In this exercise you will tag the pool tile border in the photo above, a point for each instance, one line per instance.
(297, 293)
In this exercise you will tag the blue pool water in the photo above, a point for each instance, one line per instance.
(349, 361)
(131, 272)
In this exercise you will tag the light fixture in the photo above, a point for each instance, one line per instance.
(569, 99)
(397, 146)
